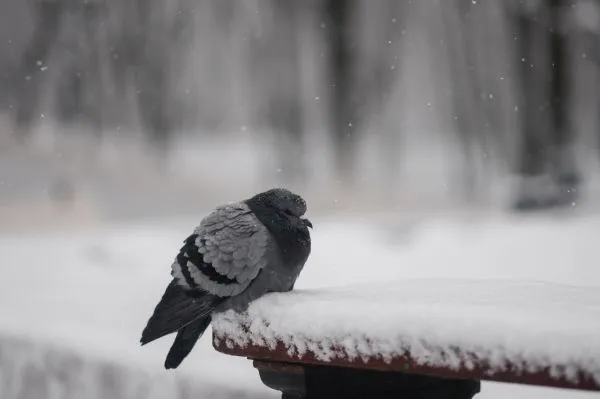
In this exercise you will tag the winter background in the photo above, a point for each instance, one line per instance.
(428, 138)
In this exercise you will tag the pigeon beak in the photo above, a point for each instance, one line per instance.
(307, 223)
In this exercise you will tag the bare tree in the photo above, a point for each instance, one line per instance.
(79, 85)
(28, 81)
(547, 136)
(357, 90)
(343, 98)
(277, 88)
(149, 45)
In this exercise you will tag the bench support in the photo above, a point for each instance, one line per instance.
(304, 381)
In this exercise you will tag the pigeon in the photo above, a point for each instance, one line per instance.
(239, 252)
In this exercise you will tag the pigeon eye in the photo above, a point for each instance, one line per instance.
(288, 212)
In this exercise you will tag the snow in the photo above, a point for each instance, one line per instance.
(86, 296)
(88, 293)
(500, 322)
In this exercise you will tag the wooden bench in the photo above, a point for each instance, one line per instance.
(436, 338)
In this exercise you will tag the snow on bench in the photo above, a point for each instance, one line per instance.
(513, 331)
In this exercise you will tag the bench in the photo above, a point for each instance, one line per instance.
(418, 338)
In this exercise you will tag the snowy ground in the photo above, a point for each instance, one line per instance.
(87, 293)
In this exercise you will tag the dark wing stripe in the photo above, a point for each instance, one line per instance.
(189, 252)
(182, 260)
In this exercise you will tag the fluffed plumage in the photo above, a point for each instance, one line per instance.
(238, 253)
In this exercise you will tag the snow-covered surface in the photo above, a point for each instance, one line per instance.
(90, 292)
(499, 322)
(85, 296)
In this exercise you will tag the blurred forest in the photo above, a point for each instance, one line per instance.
(510, 88)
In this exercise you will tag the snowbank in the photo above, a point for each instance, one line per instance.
(37, 370)
(73, 305)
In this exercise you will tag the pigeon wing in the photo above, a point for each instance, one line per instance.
(225, 253)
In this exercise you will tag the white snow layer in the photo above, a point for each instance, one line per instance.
(87, 295)
(499, 322)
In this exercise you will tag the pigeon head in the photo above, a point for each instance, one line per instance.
(281, 212)
(284, 207)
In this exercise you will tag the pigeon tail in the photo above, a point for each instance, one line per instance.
(177, 309)
(184, 342)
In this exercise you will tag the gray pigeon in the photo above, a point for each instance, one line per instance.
(238, 253)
